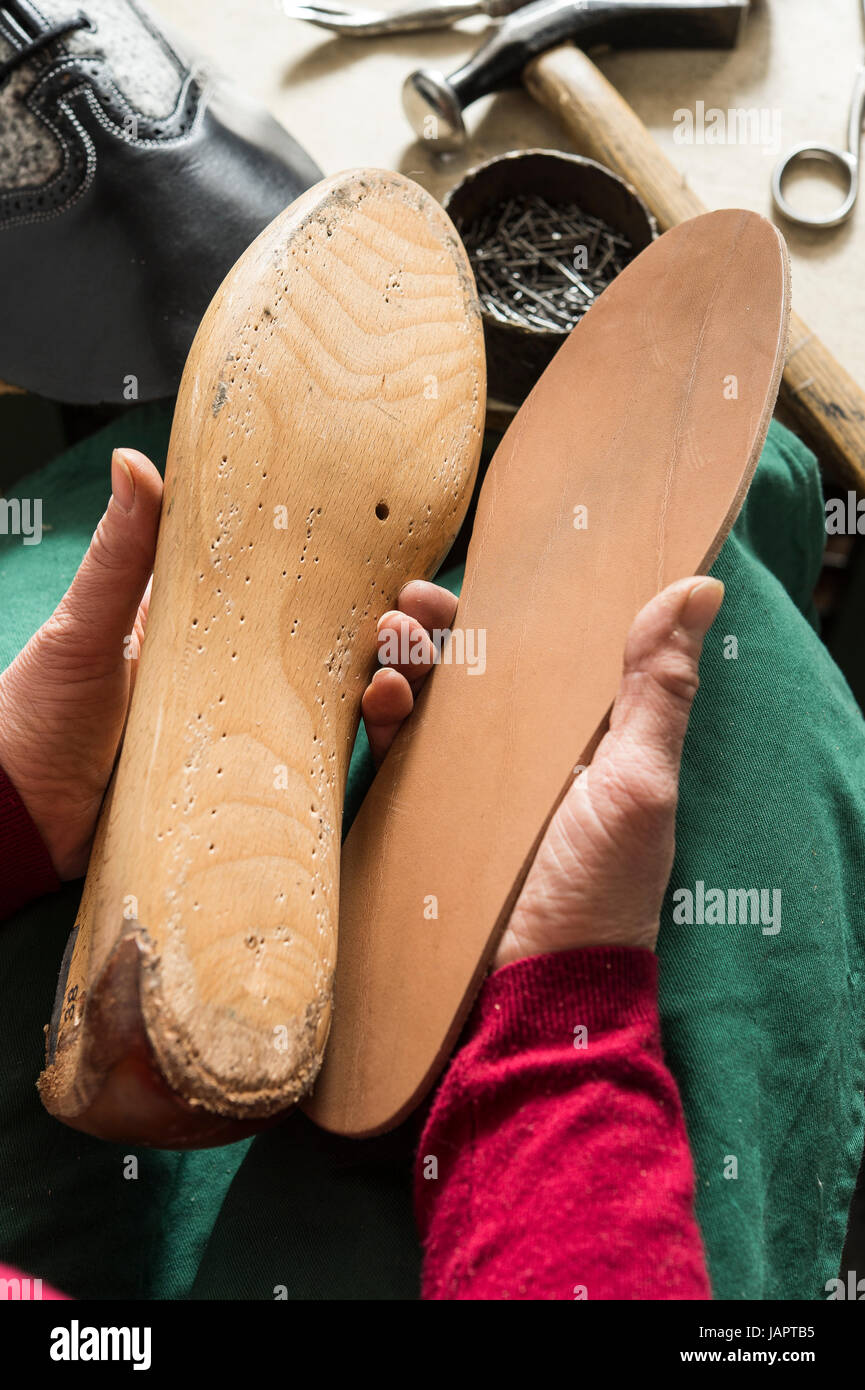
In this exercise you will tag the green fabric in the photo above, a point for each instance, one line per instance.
(765, 1033)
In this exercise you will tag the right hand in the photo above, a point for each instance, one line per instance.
(602, 868)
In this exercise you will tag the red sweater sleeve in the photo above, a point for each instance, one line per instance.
(26, 871)
(555, 1163)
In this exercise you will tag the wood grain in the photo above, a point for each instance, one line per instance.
(827, 404)
(324, 447)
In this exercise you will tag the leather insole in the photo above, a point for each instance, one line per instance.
(651, 417)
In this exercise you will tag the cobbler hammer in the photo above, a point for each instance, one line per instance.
(539, 27)
(537, 46)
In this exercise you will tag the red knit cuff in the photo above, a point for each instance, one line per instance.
(26, 871)
(602, 987)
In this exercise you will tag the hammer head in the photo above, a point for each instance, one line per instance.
(435, 103)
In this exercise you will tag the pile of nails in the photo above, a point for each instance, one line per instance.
(540, 266)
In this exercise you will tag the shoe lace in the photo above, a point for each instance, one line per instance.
(41, 41)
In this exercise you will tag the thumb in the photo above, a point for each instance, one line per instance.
(100, 607)
(602, 867)
(659, 681)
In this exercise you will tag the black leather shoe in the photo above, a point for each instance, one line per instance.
(129, 185)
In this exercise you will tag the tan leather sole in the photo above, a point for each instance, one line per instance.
(323, 452)
(651, 417)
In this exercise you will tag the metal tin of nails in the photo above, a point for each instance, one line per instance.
(531, 291)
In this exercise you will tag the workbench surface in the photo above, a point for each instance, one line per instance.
(797, 58)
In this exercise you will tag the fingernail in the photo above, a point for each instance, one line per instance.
(122, 481)
(701, 606)
(388, 617)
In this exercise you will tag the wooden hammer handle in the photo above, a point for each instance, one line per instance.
(826, 402)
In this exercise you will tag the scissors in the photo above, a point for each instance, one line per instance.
(846, 162)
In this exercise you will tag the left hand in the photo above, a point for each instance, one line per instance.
(65, 697)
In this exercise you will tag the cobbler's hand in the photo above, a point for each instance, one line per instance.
(64, 699)
(600, 873)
